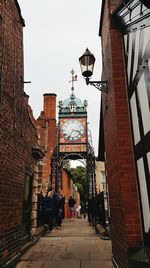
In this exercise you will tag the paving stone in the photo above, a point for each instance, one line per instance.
(37, 256)
(96, 264)
(60, 264)
(46, 238)
(63, 256)
(84, 241)
(76, 245)
(101, 256)
(30, 264)
(80, 255)
(54, 248)
(84, 248)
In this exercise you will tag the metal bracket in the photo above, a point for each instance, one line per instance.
(26, 82)
(100, 85)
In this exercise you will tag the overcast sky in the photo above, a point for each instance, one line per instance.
(55, 36)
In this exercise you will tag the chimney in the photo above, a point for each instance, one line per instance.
(50, 105)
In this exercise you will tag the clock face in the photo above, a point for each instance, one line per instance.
(72, 130)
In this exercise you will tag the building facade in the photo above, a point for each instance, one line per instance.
(19, 141)
(101, 193)
(100, 176)
(125, 34)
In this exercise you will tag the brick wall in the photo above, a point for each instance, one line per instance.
(124, 204)
(17, 133)
(48, 139)
(67, 190)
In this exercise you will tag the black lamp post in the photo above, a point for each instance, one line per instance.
(87, 61)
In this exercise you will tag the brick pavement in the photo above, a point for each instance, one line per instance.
(76, 245)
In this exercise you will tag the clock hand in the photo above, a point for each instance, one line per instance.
(69, 136)
(73, 134)
(75, 130)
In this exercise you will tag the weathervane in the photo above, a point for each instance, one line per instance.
(73, 79)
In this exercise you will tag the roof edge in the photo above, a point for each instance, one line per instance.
(120, 6)
(49, 94)
(19, 11)
(101, 17)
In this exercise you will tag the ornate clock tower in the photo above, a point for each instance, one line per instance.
(72, 130)
(72, 140)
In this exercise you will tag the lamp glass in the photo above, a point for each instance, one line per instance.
(87, 61)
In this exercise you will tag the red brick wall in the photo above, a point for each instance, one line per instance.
(66, 188)
(47, 122)
(122, 183)
(17, 134)
(50, 105)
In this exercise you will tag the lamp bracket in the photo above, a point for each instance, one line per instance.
(26, 82)
(100, 85)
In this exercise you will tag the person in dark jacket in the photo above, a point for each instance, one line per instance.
(71, 204)
(60, 202)
(50, 209)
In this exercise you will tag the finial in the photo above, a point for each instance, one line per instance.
(73, 79)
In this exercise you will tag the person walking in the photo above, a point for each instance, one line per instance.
(71, 204)
(50, 210)
(60, 208)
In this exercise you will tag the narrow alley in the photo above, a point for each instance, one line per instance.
(76, 245)
(75, 134)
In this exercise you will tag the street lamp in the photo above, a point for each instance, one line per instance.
(87, 61)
